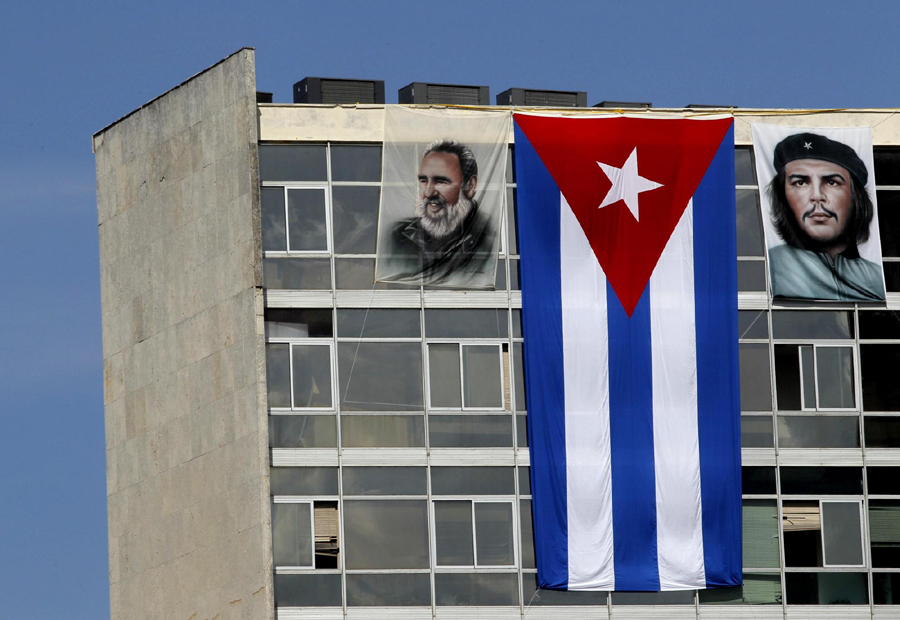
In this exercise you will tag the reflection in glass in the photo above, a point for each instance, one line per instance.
(479, 589)
(303, 481)
(292, 162)
(356, 162)
(453, 533)
(359, 274)
(380, 376)
(292, 543)
(378, 323)
(389, 590)
(298, 323)
(653, 598)
(482, 379)
(756, 432)
(842, 534)
(297, 273)
(470, 431)
(751, 275)
(527, 533)
(302, 431)
(274, 235)
(472, 481)
(818, 432)
(382, 431)
(522, 431)
(278, 374)
(494, 534)
(443, 375)
(756, 383)
(355, 216)
(307, 590)
(749, 229)
(306, 220)
(384, 481)
(801, 324)
(744, 168)
(753, 324)
(386, 534)
(466, 323)
(312, 375)
(834, 371)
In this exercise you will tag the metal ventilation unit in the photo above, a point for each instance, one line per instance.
(624, 104)
(550, 98)
(328, 90)
(454, 94)
(263, 97)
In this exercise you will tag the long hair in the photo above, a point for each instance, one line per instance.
(856, 230)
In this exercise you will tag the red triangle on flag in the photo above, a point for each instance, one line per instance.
(627, 234)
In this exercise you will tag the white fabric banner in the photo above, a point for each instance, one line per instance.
(819, 211)
(442, 197)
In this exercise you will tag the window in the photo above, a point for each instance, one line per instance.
(884, 533)
(468, 376)
(823, 533)
(826, 589)
(386, 534)
(380, 376)
(305, 534)
(756, 382)
(880, 387)
(294, 219)
(760, 533)
(474, 533)
(818, 431)
(299, 375)
(814, 377)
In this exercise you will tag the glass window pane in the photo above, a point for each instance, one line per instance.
(524, 480)
(453, 533)
(756, 432)
(536, 596)
(303, 481)
(883, 481)
(760, 533)
(309, 590)
(355, 162)
(292, 162)
(378, 323)
(887, 165)
(278, 374)
(355, 213)
(443, 375)
(749, 230)
(306, 220)
(758, 480)
(884, 533)
(891, 274)
(500, 277)
(842, 534)
(302, 431)
(527, 533)
(470, 431)
(882, 432)
(292, 534)
(744, 168)
(386, 534)
(878, 368)
(758, 589)
(818, 432)
(879, 324)
(511, 165)
(808, 377)
(751, 275)
(883, 586)
(380, 376)
(472, 481)
(479, 589)
(519, 377)
(297, 273)
(512, 246)
(756, 389)
(298, 323)
(802, 525)
(753, 324)
(821, 480)
(494, 534)
(312, 375)
(517, 323)
(482, 379)
(787, 377)
(470, 323)
(794, 324)
(274, 233)
(834, 367)
(522, 431)
(889, 221)
(826, 589)
(383, 431)
(653, 598)
(359, 274)
(390, 590)
(514, 275)
(385, 481)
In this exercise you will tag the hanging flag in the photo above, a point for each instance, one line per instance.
(629, 284)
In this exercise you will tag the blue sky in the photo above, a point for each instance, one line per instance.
(69, 69)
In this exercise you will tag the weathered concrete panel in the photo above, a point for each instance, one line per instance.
(186, 435)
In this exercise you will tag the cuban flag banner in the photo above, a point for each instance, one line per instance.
(629, 284)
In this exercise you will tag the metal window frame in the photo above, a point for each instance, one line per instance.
(462, 378)
(862, 546)
(282, 499)
(481, 499)
(311, 342)
(815, 370)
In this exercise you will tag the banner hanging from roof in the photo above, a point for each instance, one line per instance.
(629, 283)
(442, 196)
(820, 212)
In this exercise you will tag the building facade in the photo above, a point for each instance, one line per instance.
(287, 438)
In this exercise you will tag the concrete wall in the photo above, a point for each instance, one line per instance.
(183, 349)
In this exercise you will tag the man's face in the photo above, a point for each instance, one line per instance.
(820, 195)
(440, 183)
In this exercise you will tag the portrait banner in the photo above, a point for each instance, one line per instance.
(442, 197)
(819, 212)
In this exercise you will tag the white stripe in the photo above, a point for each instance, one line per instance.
(676, 444)
(586, 359)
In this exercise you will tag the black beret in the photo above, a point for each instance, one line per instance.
(814, 146)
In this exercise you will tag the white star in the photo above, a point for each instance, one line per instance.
(807, 145)
(626, 184)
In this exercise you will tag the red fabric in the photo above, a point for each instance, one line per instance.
(673, 152)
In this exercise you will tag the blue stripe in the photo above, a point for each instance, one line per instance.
(718, 393)
(631, 444)
(538, 202)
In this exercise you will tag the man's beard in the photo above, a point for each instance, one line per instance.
(446, 221)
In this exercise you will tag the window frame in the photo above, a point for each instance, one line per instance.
(322, 186)
(282, 499)
(307, 342)
(481, 499)
(496, 342)
(815, 370)
(862, 538)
